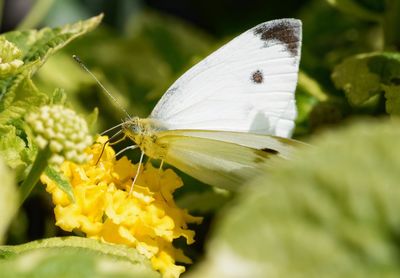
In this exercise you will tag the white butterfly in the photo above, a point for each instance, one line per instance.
(227, 115)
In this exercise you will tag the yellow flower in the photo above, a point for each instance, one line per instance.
(148, 219)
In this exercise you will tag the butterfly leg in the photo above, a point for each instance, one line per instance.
(137, 172)
(160, 170)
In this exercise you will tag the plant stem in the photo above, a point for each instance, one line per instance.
(39, 165)
(391, 25)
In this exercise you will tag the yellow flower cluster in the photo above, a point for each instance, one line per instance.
(148, 219)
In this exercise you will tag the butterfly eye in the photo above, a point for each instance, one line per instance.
(135, 129)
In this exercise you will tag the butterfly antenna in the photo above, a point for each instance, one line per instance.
(79, 61)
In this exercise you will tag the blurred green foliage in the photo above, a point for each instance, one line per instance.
(330, 212)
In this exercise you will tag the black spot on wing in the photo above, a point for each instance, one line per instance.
(262, 155)
(257, 77)
(285, 31)
(270, 151)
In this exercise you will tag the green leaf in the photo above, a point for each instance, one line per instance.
(16, 144)
(14, 150)
(366, 75)
(36, 47)
(332, 211)
(8, 198)
(73, 257)
(364, 9)
(61, 182)
(27, 98)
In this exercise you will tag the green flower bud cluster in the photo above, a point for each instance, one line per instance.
(60, 128)
(9, 57)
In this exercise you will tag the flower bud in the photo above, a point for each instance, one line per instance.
(64, 131)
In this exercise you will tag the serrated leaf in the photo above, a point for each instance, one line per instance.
(366, 75)
(27, 98)
(8, 198)
(332, 211)
(61, 182)
(36, 47)
(73, 257)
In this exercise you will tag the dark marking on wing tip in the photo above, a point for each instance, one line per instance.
(270, 151)
(285, 31)
(171, 91)
(257, 77)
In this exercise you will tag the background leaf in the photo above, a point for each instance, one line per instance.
(73, 257)
(331, 212)
(367, 75)
(61, 182)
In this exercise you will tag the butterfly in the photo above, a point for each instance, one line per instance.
(225, 118)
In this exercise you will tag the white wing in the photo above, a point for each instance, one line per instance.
(280, 146)
(216, 163)
(246, 86)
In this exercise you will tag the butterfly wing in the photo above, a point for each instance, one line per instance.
(246, 86)
(280, 146)
(222, 159)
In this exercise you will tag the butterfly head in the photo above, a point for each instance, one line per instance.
(138, 129)
(144, 133)
(134, 129)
